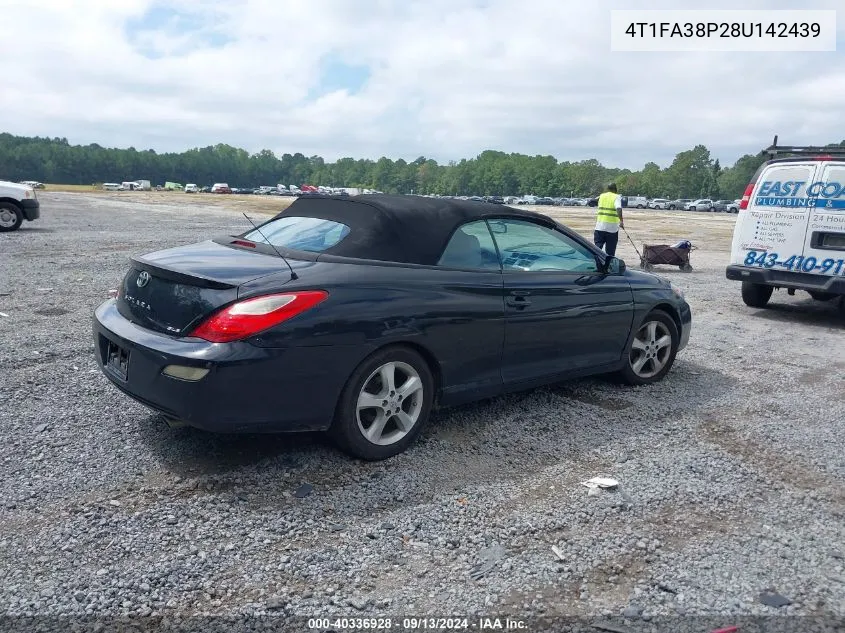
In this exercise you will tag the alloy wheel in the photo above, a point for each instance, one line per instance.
(651, 349)
(389, 403)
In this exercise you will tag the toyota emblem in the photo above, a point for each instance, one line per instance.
(143, 279)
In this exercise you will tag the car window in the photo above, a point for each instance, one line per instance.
(526, 246)
(300, 233)
(471, 246)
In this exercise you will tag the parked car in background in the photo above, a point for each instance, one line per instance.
(221, 187)
(191, 188)
(702, 204)
(680, 203)
(658, 203)
(733, 206)
(637, 202)
(723, 206)
(17, 203)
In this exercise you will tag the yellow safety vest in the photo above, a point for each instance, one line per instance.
(607, 208)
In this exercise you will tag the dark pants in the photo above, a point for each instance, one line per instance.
(606, 241)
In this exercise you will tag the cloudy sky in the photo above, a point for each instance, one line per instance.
(445, 79)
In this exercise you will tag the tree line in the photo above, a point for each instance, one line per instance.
(692, 174)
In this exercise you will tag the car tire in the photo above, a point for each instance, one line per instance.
(639, 206)
(712, 209)
(687, 268)
(11, 217)
(756, 295)
(651, 352)
(671, 207)
(368, 401)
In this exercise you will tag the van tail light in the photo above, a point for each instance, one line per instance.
(746, 197)
(247, 318)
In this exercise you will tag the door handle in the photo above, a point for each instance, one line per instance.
(518, 300)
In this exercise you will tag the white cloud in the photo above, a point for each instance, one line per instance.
(450, 78)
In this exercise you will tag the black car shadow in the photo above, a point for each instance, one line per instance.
(190, 452)
(470, 444)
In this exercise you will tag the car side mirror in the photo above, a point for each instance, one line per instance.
(614, 266)
(498, 227)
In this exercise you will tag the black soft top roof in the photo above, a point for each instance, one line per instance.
(397, 228)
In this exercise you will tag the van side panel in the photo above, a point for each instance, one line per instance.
(824, 242)
(772, 232)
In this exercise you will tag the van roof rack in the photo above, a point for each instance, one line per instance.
(802, 150)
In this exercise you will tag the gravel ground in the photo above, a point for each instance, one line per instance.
(731, 469)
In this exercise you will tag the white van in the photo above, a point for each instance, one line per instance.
(790, 230)
(637, 202)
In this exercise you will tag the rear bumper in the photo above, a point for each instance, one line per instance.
(31, 209)
(247, 388)
(786, 279)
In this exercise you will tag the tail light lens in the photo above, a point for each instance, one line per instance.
(249, 317)
(746, 197)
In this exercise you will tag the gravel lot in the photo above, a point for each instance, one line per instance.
(731, 470)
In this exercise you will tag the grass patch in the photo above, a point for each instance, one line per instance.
(72, 188)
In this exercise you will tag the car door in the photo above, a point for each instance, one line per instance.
(562, 315)
(824, 240)
(466, 326)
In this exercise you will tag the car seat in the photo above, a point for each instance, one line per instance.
(463, 251)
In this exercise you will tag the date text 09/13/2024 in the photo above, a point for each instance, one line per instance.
(795, 263)
(416, 624)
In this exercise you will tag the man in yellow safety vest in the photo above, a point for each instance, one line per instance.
(608, 220)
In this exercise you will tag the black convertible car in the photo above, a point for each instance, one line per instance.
(358, 315)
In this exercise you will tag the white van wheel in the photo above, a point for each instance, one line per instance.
(756, 295)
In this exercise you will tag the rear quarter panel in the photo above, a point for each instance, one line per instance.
(455, 317)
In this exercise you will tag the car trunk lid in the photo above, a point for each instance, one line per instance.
(171, 291)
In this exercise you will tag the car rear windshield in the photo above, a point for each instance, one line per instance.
(300, 233)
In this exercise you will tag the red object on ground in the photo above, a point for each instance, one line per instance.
(730, 629)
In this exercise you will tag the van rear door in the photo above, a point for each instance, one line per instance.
(771, 232)
(824, 242)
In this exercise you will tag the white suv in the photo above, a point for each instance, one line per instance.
(790, 230)
(17, 203)
(703, 204)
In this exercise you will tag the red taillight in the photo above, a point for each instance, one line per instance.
(746, 197)
(251, 316)
(825, 157)
(244, 243)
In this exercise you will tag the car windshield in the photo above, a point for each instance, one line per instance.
(300, 233)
